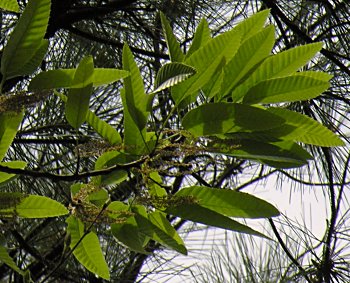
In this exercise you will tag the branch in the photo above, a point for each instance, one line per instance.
(73, 177)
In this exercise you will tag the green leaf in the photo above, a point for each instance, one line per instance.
(108, 159)
(9, 123)
(229, 202)
(6, 177)
(218, 50)
(253, 24)
(288, 89)
(199, 214)
(158, 228)
(78, 100)
(63, 78)
(249, 54)
(104, 129)
(9, 5)
(279, 65)
(88, 252)
(128, 232)
(301, 128)
(136, 100)
(99, 197)
(154, 182)
(175, 52)
(34, 206)
(171, 74)
(26, 41)
(5, 258)
(134, 138)
(221, 118)
(201, 37)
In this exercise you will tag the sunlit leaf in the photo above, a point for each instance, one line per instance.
(34, 206)
(175, 52)
(88, 252)
(26, 39)
(200, 38)
(9, 5)
(6, 177)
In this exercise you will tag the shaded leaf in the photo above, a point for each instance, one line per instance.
(200, 38)
(220, 118)
(5, 258)
(6, 177)
(230, 202)
(88, 252)
(199, 214)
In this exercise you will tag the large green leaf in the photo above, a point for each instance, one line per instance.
(221, 118)
(288, 89)
(200, 38)
(9, 123)
(250, 53)
(127, 232)
(134, 138)
(88, 252)
(206, 61)
(34, 206)
(5, 258)
(157, 227)
(171, 74)
(78, 100)
(26, 39)
(301, 128)
(63, 78)
(230, 202)
(9, 5)
(136, 100)
(279, 65)
(203, 215)
(104, 129)
(175, 52)
(5, 177)
(277, 154)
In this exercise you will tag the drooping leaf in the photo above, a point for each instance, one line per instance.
(229, 202)
(6, 177)
(171, 74)
(199, 214)
(26, 39)
(218, 50)
(250, 53)
(63, 78)
(175, 52)
(78, 100)
(88, 252)
(200, 38)
(34, 206)
(101, 127)
(9, 5)
(9, 123)
(301, 128)
(158, 228)
(136, 100)
(221, 118)
(279, 65)
(5, 258)
(288, 89)
(127, 232)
